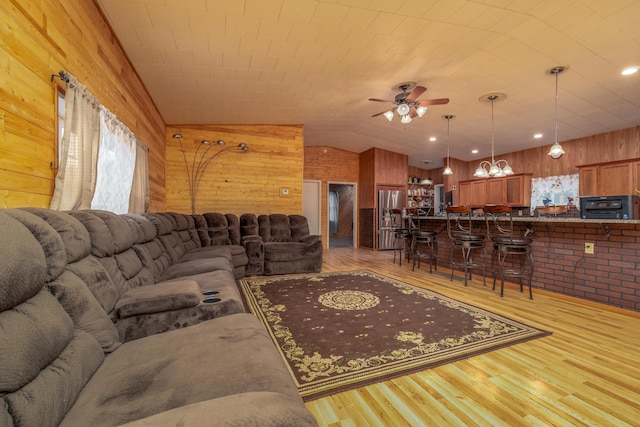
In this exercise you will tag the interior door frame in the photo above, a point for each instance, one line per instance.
(319, 201)
(354, 209)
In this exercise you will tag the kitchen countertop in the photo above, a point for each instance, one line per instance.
(547, 219)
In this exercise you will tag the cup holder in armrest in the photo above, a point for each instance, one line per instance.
(210, 292)
(211, 300)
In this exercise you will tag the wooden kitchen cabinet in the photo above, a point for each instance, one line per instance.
(473, 193)
(513, 190)
(610, 179)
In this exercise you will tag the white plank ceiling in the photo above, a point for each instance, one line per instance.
(316, 63)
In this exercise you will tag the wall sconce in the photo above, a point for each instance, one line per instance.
(199, 164)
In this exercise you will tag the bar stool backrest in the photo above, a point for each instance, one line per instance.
(499, 221)
(459, 221)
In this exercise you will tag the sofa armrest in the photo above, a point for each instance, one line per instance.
(158, 298)
(311, 239)
(262, 408)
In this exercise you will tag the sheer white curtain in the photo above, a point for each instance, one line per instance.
(139, 200)
(334, 208)
(76, 178)
(116, 163)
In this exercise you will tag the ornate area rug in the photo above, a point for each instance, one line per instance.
(343, 330)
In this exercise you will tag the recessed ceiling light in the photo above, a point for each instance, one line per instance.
(432, 139)
(474, 151)
(629, 71)
(537, 135)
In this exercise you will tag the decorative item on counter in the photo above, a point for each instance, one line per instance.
(570, 204)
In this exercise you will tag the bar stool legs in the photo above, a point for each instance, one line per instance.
(424, 245)
(402, 243)
(523, 260)
(467, 264)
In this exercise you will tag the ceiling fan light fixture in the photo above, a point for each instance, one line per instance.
(389, 115)
(405, 119)
(421, 111)
(403, 109)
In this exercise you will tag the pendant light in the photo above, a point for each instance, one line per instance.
(501, 167)
(447, 170)
(556, 150)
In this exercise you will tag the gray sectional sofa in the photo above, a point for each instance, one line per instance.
(137, 320)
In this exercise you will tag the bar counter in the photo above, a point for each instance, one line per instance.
(610, 275)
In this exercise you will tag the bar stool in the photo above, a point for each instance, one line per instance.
(499, 221)
(401, 242)
(460, 231)
(424, 245)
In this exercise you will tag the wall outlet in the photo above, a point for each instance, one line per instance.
(284, 192)
(589, 248)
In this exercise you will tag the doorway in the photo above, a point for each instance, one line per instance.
(341, 208)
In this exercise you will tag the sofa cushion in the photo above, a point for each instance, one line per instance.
(84, 309)
(20, 280)
(263, 408)
(158, 298)
(217, 229)
(44, 360)
(229, 355)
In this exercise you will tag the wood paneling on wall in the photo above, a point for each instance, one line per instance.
(622, 144)
(330, 164)
(40, 39)
(238, 182)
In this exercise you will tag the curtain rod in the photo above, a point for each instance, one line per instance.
(62, 75)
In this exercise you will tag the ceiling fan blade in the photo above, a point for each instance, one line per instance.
(416, 92)
(379, 100)
(413, 113)
(426, 102)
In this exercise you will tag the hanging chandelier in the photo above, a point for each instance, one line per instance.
(447, 170)
(499, 168)
(556, 150)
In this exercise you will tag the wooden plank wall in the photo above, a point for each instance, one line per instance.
(330, 164)
(622, 144)
(238, 182)
(40, 39)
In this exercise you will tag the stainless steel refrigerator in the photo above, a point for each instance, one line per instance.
(387, 201)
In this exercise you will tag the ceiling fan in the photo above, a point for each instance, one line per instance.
(406, 104)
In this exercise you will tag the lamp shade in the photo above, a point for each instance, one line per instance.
(556, 151)
(421, 111)
(447, 171)
(406, 119)
(403, 109)
(389, 115)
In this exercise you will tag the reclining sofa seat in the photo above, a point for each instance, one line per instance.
(288, 246)
(223, 230)
(143, 306)
(187, 255)
(55, 371)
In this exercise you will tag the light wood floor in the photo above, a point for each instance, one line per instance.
(587, 373)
